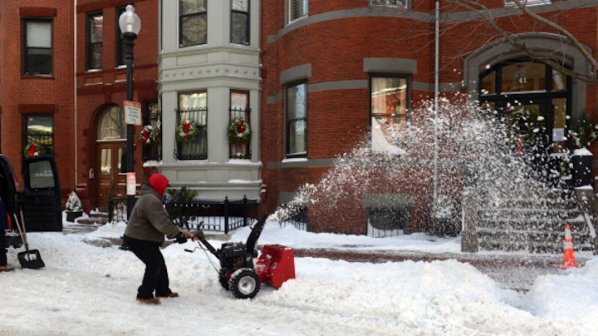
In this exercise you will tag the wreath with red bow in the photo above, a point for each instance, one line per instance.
(239, 131)
(186, 131)
(150, 135)
(32, 150)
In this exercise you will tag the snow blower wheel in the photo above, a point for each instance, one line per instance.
(244, 283)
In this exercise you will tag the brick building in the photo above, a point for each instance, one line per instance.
(332, 69)
(36, 82)
(100, 141)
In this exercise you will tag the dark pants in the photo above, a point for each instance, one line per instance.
(155, 277)
(2, 247)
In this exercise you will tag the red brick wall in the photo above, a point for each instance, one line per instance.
(91, 98)
(337, 119)
(53, 95)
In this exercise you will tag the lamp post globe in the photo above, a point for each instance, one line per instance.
(130, 25)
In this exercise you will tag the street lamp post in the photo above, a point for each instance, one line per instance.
(130, 25)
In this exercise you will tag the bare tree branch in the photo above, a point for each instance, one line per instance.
(486, 14)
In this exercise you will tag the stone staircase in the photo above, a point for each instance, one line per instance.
(533, 225)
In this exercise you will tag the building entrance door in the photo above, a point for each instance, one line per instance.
(111, 179)
(111, 146)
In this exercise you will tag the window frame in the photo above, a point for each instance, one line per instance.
(89, 42)
(287, 121)
(510, 3)
(25, 134)
(25, 48)
(408, 92)
(247, 23)
(181, 16)
(389, 3)
(119, 50)
(289, 13)
(200, 155)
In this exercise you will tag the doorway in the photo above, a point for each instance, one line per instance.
(111, 147)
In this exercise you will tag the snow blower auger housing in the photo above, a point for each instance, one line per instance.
(237, 272)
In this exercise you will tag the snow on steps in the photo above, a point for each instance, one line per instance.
(532, 225)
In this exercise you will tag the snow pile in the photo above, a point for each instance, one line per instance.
(86, 289)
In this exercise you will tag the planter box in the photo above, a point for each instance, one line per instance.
(72, 215)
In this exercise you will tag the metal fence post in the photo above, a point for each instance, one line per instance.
(226, 205)
(244, 210)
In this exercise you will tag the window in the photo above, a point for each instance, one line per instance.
(239, 27)
(192, 126)
(389, 105)
(120, 55)
(511, 3)
(95, 39)
(39, 134)
(193, 22)
(297, 9)
(37, 53)
(239, 110)
(402, 3)
(296, 119)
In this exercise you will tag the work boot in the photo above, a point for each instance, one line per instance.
(168, 295)
(149, 301)
(6, 268)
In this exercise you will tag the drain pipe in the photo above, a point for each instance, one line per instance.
(436, 92)
(75, 122)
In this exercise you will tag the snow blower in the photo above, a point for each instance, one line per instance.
(237, 272)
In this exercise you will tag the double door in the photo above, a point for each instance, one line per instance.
(111, 176)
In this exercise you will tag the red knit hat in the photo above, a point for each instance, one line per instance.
(159, 183)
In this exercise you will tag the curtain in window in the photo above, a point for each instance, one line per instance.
(193, 22)
(38, 53)
(240, 22)
(96, 38)
(296, 119)
(297, 9)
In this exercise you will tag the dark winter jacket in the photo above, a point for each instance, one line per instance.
(149, 220)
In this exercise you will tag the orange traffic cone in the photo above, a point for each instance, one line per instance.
(568, 256)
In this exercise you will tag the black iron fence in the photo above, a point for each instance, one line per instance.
(295, 216)
(220, 216)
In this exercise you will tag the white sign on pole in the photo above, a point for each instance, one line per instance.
(132, 112)
(131, 183)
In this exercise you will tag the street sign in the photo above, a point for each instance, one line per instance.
(131, 184)
(132, 112)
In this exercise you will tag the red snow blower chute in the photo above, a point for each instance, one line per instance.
(237, 273)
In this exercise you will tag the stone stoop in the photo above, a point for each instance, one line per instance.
(524, 224)
(97, 218)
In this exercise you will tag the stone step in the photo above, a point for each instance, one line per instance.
(94, 218)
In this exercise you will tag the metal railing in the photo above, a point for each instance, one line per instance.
(197, 147)
(220, 216)
(240, 151)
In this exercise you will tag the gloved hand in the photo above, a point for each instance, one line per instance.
(198, 235)
(181, 238)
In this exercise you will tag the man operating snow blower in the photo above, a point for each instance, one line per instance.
(144, 234)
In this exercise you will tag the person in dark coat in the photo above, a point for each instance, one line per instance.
(4, 267)
(144, 235)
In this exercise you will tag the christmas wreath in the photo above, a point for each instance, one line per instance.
(186, 131)
(32, 150)
(239, 131)
(150, 134)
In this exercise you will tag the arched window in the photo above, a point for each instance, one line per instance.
(111, 125)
